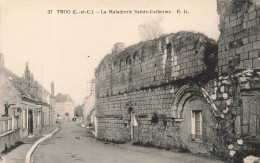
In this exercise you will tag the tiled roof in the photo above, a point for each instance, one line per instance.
(22, 86)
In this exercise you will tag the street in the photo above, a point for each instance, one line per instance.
(74, 144)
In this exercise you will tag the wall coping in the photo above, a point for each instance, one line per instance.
(8, 132)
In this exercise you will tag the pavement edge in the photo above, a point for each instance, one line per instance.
(32, 149)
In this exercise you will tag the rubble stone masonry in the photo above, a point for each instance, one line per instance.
(186, 91)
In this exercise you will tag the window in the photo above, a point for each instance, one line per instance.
(169, 50)
(136, 56)
(128, 61)
(121, 62)
(196, 125)
(115, 64)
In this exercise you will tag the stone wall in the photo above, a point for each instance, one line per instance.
(150, 80)
(151, 92)
(9, 139)
(237, 88)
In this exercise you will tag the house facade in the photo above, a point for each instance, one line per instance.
(26, 107)
(186, 91)
(88, 108)
(64, 107)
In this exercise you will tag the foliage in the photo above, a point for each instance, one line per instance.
(78, 111)
(119, 46)
(151, 30)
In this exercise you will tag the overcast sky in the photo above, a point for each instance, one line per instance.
(59, 45)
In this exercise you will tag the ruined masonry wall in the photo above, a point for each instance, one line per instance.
(151, 77)
(146, 78)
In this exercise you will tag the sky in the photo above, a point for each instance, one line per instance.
(66, 48)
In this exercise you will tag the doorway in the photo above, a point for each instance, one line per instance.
(30, 122)
(134, 127)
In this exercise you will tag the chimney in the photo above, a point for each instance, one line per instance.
(1, 60)
(27, 73)
(52, 89)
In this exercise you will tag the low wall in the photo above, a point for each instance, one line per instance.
(9, 139)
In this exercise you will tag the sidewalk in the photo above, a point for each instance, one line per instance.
(18, 154)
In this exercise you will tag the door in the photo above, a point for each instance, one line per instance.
(30, 121)
(134, 128)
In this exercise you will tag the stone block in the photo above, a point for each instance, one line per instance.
(233, 23)
(248, 47)
(245, 40)
(248, 64)
(252, 15)
(252, 38)
(253, 54)
(244, 56)
(256, 45)
(256, 63)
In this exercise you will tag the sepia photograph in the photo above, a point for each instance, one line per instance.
(134, 81)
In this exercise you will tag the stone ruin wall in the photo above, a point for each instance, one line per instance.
(146, 77)
(237, 90)
(149, 77)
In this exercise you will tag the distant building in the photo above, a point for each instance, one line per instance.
(25, 106)
(64, 106)
(89, 105)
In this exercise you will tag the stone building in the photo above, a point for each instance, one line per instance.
(89, 105)
(25, 107)
(64, 107)
(186, 91)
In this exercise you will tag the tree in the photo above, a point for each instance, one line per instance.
(119, 46)
(151, 30)
(78, 111)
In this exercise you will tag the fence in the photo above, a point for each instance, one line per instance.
(9, 123)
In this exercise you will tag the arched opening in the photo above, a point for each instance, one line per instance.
(168, 66)
(136, 56)
(121, 62)
(115, 64)
(195, 116)
(128, 60)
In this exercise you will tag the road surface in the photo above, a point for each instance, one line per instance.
(74, 144)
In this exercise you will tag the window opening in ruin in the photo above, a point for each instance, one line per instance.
(168, 68)
(135, 57)
(104, 69)
(165, 123)
(115, 64)
(196, 125)
(169, 50)
(154, 119)
(128, 60)
(110, 67)
(143, 56)
(121, 63)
